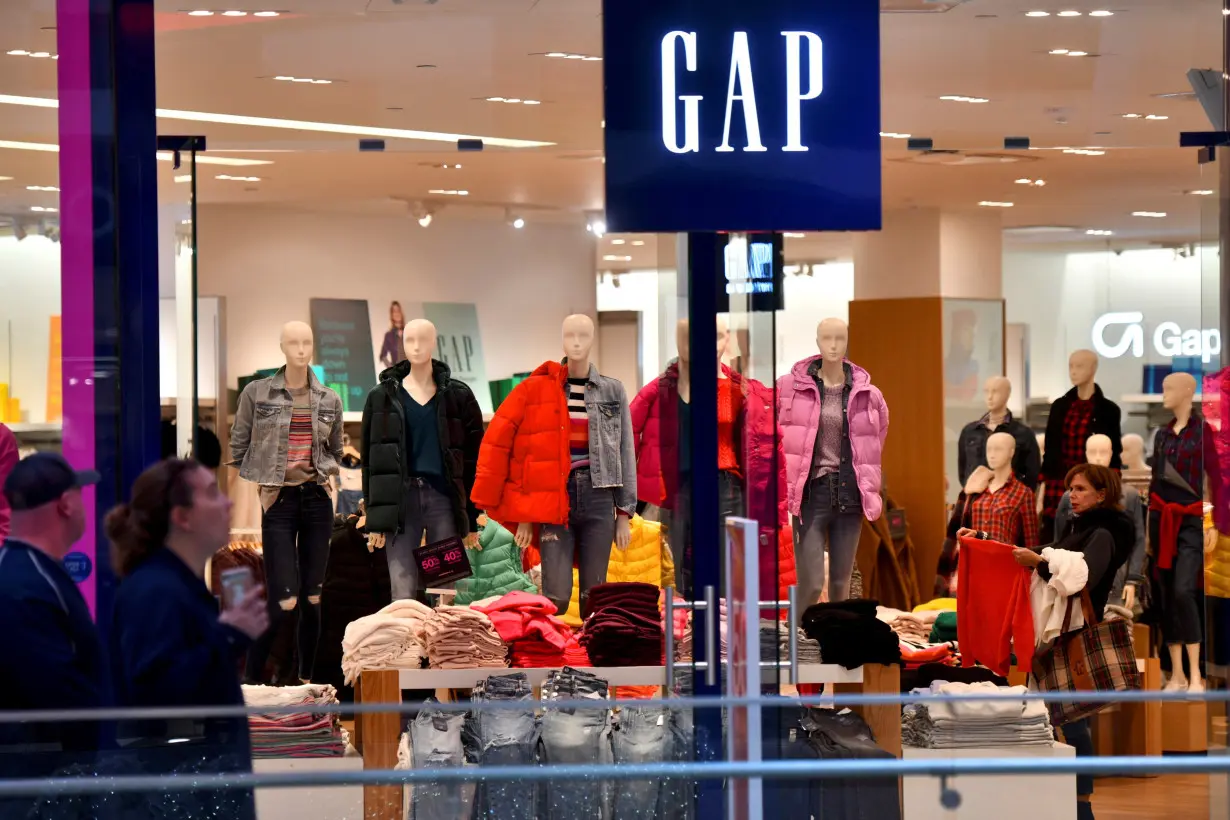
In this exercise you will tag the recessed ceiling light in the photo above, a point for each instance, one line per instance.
(292, 125)
(1156, 117)
(201, 13)
(39, 209)
(618, 241)
(1038, 183)
(237, 179)
(286, 78)
(1059, 51)
(568, 55)
(1133, 116)
(1078, 53)
(793, 235)
(1150, 214)
(959, 98)
(1201, 192)
(1037, 14)
(987, 203)
(1069, 13)
(612, 258)
(6, 179)
(266, 14)
(234, 13)
(894, 135)
(512, 100)
(638, 242)
(163, 156)
(448, 192)
(1101, 13)
(46, 188)
(1098, 232)
(1086, 152)
(37, 55)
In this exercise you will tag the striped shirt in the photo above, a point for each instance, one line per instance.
(578, 423)
(299, 466)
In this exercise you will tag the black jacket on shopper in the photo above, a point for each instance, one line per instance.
(383, 449)
(1106, 418)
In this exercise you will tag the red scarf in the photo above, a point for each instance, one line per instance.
(1168, 530)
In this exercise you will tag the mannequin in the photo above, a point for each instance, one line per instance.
(1184, 455)
(1136, 472)
(287, 438)
(1081, 412)
(559, 454)
(1099, 450)
(972, 444)
(834, 422)
(422, 430)
(995, 502)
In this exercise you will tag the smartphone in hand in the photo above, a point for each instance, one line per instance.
(235, 584)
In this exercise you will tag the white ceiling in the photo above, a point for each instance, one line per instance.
(374, 50)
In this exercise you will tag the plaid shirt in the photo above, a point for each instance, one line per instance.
(1006, 515)
(1193, 452)
(1075, 432)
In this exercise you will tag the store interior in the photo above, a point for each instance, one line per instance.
(1101, 235)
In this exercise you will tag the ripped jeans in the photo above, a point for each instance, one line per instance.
(643, 734)
(589, 533)
(435, 739)
(504, 737)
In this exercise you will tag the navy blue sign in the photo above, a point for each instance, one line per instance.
(742, 115)
(78, 566)
(754, 273)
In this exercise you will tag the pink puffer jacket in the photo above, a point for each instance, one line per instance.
(799, 417)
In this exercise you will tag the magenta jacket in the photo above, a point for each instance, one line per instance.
(8, 460)
(798, 406)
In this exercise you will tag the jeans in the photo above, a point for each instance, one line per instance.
(435, 741)
(1076, 734)
(295, 531)
(590, 531)
(574, 736)
(348, 502)
(822, 528)
(1181, 598)
(642, 735)
(504, 737)
(677, 524)
(427, 511)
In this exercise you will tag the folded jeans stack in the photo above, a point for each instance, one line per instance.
(458, 637)
(535, 636)
(954, 724)
(435, 742)
(849, 633)
(389, 639)
(503, 737)
(625, 625)
(775, 642)
(578, 736)
(305, 734)
(642, 734)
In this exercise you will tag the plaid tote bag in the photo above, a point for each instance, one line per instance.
(1099, 657)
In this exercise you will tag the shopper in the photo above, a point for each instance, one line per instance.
(1104, 534)
(170, 645)
(8, 460)
(52, 657)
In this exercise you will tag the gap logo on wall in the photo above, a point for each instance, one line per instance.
(1123, 334)
(728, 115)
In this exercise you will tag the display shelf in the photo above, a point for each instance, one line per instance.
(308, 801)
(20, 428)
(1020, 797)
(614, 675)
(1156, 398)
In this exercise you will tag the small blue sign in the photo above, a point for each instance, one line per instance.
(78, 566)
(729, 115)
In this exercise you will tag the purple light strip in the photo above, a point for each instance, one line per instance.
(77, 256)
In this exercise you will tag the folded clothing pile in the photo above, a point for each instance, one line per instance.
(535, 636)
(909, 626)
(945, 628)
(775, 642)
(954, 724)
(496, 564)
(849, 633)
(625, 626)
(304, 734)
(389, 639)
(458, 637)
(916, 655)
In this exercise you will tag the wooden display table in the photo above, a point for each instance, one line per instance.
(377, 734)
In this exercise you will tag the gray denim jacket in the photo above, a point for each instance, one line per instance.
(612, 454)
(261, 433)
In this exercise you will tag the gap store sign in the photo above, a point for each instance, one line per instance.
(742, 115)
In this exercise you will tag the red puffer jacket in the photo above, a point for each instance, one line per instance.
(524, 461)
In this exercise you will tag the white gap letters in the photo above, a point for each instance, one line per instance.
(741, 88)
(1169, 339)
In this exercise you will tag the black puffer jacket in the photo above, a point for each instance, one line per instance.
(1105, 537)
(383, 448)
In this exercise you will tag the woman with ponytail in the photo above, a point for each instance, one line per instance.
(170, 645)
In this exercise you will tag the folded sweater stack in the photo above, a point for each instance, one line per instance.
(535, 637)
(390, 639)
(909, 626)
(850, 634)
(625, 625)
(977, 723)
(305, 734)
(458, 637)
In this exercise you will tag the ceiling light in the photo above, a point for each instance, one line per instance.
(530, 102)
(1078, 53)
(1150, 214)
(597, 226)
(1087, 152)
(638, 242)
(38, 55)
(1156, 117)
(987, 203)
(425, 220)
(234, 162)
(266, 14)
(46, 188)
(448, 192)
(612, 258)
(894, 135)
(237, 179)
(1101, 13)
(514, 220)
(792, 235)
(201, 13)
(1201, 192)
(1069, 13)
(41, 210)
(1133, 116)
(1038, 183)
(1097, 232)
(618, 241)
(1059, 51)
(180, 178)
(299, 125)
(1037, 14)
(286, 78)
(6, 179)
(512, 100)
(568, 55)
(958, 98)
(234, 13)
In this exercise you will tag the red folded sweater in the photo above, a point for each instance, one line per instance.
(993, 610)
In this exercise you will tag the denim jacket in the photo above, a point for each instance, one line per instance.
(261, 434)
(612, 452)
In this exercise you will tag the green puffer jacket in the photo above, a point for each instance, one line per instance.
(497, 568)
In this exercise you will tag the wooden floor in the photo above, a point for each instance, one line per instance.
(1172, 797)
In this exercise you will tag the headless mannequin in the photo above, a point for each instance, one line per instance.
(577, 333)
(1178, 394)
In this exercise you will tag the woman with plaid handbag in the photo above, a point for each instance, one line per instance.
(1104, 535)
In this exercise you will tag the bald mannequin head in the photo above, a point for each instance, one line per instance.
(997, 390)
(1134, 452)
(578, 337)
(1082, 367)
(1001, 447)
(297, 344)
(419, 341)
(1178, 391)
(833, 339)
(1098, 450)
(683, 340)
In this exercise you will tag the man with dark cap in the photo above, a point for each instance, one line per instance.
(52, 657)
